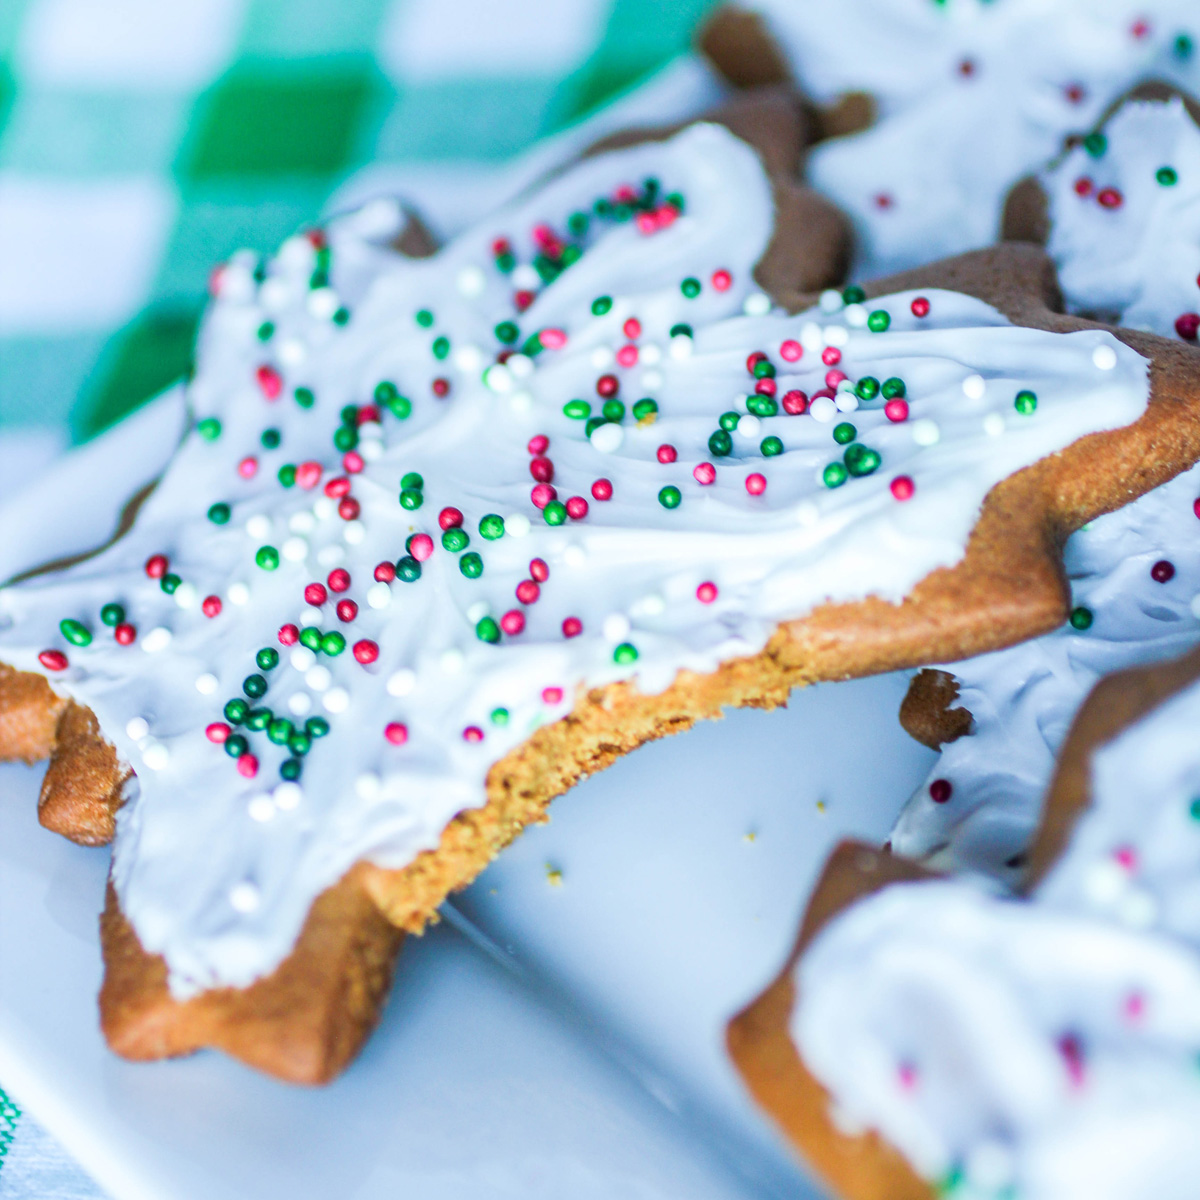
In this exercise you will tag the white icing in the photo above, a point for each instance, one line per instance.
(1141, 257)
(944, 181)
(222, 895)
(937, 1013)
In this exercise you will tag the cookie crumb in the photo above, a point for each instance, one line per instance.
(554, 875)
(750, 835)
(821, 806)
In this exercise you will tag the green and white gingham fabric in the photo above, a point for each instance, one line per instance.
(142, 141)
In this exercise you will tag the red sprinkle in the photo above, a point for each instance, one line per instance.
(211, 606)
(396, 733)
(539, 569)
(513, 622)
(940, 790)
(1109, 197)
(542, 469)
(766, 387)
(903, 487)
(907, 1074)
(528, 591)
(369, 414)
(1187, 325)
(896, 409)
(441, 388)
(667, 453)
(1083, 186)
(523, 299)
(1196, 507)
(450, 518)
(1126, 857)
(552, 695)
(552, 339)
(920, 307)
(1135, 1006)
(1162, 571)
(420, 546)
(385, 572)
(538, 444)
(308, 475)
(572, 627)
(289, 634)
(722, 280)
(315, 594)
(577, 508)
(541, 494)
(753, 359)
(831, 356)
(795, 402)
(472, 733)
(217, 732)
(704, 473)
(270, 381)
(791, 351)
(632, 328)
(53, 660)
(156, 566)
(339, 579)
(1072, 1053)
(247, 765)
(607, 386)
(125, 634)
(248, 467)
(706, 593)
(834, 377)
(883, 201)
(627, 356)
(349, 508)
(346, 610)
(756, 484)
(602, 489)
(337, 487)
(366, 651)
(352, 462)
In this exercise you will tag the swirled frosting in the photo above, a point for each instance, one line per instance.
(425, 502)
(923, 181)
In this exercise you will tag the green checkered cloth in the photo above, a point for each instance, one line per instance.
(142, 141)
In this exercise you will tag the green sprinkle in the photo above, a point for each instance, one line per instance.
(267, 557)
(867, 388)
(266, 331)
(75, 632)
(601, 305)
(507, 332)
(400, 407)
(487, 630)
(1095, 144)
(455, 539)
(310, 637)
(879, 320)
(771, 446)
(1025, 402)
(1182, 47)
(555, 513)
(644, 408)
(1194, 810)
(236, 710)
(236, 745)
(112, 614)
(1081, 618)
(270, 439)
(333, 643)
(424, 318)
(267, 658)
(290, 769)
(720, 443)
(471, 565)
(861, 460)
(844, 433)
(670, 496)
(411, 479)
(499, 716)
(385, 392)
(441, 347)
(299, 743)
(257, 719)
(1167, 176)
(209, 429)
(170, 583)
(577, 410)
(690, 287)
(254, 686)
(491, 526)
(316, 727)
(593, 423)
(681, 330)
(577, 223)
(219, 513)
(853, 295)
(304, 397)
(729, 421)
(763, 369)
(613, 410)
(279, 730)
(625, 654)
(411, 499)
(287, 475)
(893, 388)
(762, 406)
(834, 475)
(341, 316)
(345, 437)
(408, 570)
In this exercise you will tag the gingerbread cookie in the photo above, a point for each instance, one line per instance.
(1126, 239)
(449, 535)
(925, 180)
(928, 1037)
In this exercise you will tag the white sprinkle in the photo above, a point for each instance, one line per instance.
(477, 611)
(1104, 882)
(186, 595)
(974, 387)
(295, 549)
(498, 378)
(261, 808)
(925, 432)
(525, 278)
(371, 449)
(244, 897)
(324, 508)
(993, 425)
(607, 438)
(379, 595)
(845, 399)
(1138, 909)
(323, 302)
(823, 409)
(274, 294)
(207, 683)
(318, 678)
(300, 704)
(369, 429)
(292, 352)
(652, 605)
(353, 533)
(517, 525)
(811, 337)
(651, 380)
(301, 658)
(402, 682)
(521, 366)
(520, 401)
(159, 638)
(156, 756)
(807, 513)
(452, 661)
(468, 358)
(757, 304)
(295, 253)
(574, 555)
(287, 795)
(681, 347)
(471, 281)
(259, 526)
(1105, 357)
(602, 357)
(336, 700)
(137, 729)
(311, 616)
(367, 785)
(331, 555)
(855, 316)
(380, 217)
(836, 335)
(830, 301)
(616, 627)
(302, 522)
(749, 427)
(650, 354)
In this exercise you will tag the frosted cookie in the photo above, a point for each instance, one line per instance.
(449, 535)
(1125, 234)
(923, 180)
(928, 1037)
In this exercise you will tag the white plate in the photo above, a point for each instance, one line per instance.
(558, 1041)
